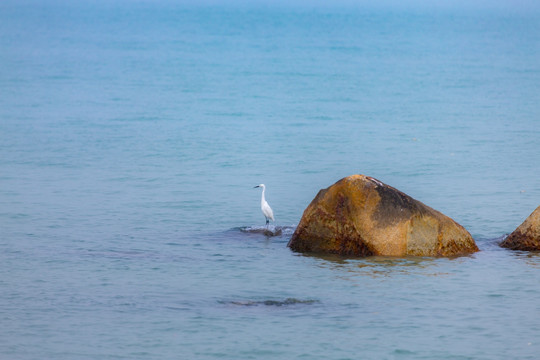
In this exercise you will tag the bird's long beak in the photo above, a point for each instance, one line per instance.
(256, 186)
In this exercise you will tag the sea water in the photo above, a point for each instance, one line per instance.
(132, 135)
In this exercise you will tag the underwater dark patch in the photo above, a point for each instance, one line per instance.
(286, 302)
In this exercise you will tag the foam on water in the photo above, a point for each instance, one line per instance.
(269, 230)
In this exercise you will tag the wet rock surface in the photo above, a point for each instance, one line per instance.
(361, 216)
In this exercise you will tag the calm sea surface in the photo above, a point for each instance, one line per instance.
(132, 134)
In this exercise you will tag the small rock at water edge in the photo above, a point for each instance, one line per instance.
(527, 235)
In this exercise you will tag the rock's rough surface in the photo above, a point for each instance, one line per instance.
(361, 216)
(527, 235)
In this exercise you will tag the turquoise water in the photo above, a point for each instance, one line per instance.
(132, 134)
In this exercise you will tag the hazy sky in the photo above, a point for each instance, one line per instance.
(464, 4)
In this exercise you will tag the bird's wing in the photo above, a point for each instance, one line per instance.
(267, 210)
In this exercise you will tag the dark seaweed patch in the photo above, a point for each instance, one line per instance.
(395, 206)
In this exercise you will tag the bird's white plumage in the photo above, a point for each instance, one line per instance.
(266, 209)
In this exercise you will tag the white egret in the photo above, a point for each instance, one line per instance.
(266, 209)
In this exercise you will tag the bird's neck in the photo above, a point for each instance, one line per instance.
(262, 196)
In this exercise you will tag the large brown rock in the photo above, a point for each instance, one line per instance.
(527, 235)
(361, 216)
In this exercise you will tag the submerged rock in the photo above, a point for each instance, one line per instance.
(361, 216)
(527, 235)
(286, 302)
